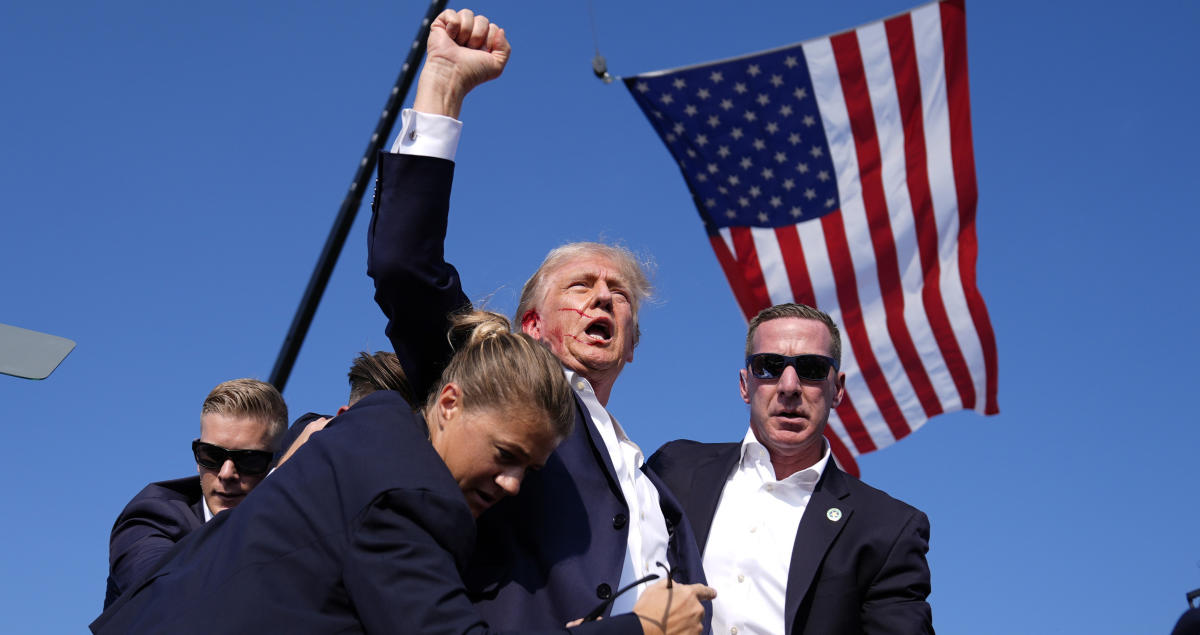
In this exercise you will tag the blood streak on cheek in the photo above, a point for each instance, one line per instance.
(579, 311)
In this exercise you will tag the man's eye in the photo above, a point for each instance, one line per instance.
(505, 456)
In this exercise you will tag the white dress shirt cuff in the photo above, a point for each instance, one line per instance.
(427, 135)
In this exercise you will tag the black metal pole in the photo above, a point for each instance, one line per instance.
(345, 217)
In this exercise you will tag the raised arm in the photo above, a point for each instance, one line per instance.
(414, 285)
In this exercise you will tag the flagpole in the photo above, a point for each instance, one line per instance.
(350, 204)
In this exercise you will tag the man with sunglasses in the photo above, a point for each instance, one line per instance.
(241, 422)
(793, 544)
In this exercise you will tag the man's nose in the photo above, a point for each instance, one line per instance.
(510, 481)
(602, 296)
(789, 381)
(228, 471)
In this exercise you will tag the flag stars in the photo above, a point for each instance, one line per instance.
(643, 87)
(823, 175)
(809, 120)
(777, 80)
(730, 214)
(802, 167)
(810, 193)
(658, 113)
(762, 217)
(734, 180)
(794, 139)
(755, 191)
(750, 116)
(690, 110)
(762, 99)
(772, 127)
(739, 88)
(722, 189)
(679, 83)
(716, 77)
(667, 99)
(829, 202)
(714, 121)
(790, 61)
(780, 157)
(703, 93)
(712, 168)
(776, 202)
(760, 145)
(710, 203)
(767, 174)
(753, 71)
(701, 140)
(736, 133)
(678, 129)
(816, 152)
(785, 110)
(746, 163)
(723, 152)
(743, 201)
(691, 153)
(726, 104)
(671, 137)
(788, 184)
(701, 177)
(795, 212)
(801, 93)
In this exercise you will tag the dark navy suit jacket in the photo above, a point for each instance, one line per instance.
(149, 526)
(362, 530)
(863, 572)
(554, 551)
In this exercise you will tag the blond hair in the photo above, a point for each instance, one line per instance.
(249, 398)
(496, 368)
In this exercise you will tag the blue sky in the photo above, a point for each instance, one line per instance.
(169, 173)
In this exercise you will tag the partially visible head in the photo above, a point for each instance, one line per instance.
(381, 371)
(788, 412)
(501, 408)
(583, 303)
(241, 414)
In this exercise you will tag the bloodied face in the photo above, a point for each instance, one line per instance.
(586, 316)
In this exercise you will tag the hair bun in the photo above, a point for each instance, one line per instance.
(470, 328)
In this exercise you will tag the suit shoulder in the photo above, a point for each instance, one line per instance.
(880, 501)
(686, 448)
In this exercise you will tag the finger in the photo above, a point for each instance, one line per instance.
(704, 593)
(466, 18)
(447, 21)
(497, 42)
(479, 32)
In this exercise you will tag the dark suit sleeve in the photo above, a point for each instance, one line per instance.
(414, 285)
(402, 574)
(145, 531)
(896, 599)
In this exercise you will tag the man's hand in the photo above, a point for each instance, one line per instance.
(316, 425)
(673, 610)
(464, 51)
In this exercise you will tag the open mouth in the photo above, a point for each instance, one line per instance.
(600, 329)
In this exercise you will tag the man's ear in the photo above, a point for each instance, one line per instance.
(531, 324)
(743, 386)
(840, 385)
(341, 409)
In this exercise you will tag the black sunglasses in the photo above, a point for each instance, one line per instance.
(599, 610)
(212, 457)
(772, 365)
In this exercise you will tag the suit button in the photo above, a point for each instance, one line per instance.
(603, 591)
(619, 521)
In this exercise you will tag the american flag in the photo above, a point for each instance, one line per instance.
(839, 173)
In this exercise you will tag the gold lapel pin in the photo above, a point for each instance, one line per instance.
(834, 514)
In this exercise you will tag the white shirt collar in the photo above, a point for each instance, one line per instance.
(756, 458)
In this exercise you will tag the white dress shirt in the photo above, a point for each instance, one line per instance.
(647, 526)
(749, 547)
(438, 136)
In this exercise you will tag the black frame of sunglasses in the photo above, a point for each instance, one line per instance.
(791, 360)
(237, 456)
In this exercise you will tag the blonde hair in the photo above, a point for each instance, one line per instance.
(496, 368)
(633, 273)
(249, 398)
(380, 371)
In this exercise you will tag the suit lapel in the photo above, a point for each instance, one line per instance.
(819, 526)
(584, 420)
(708, 480)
